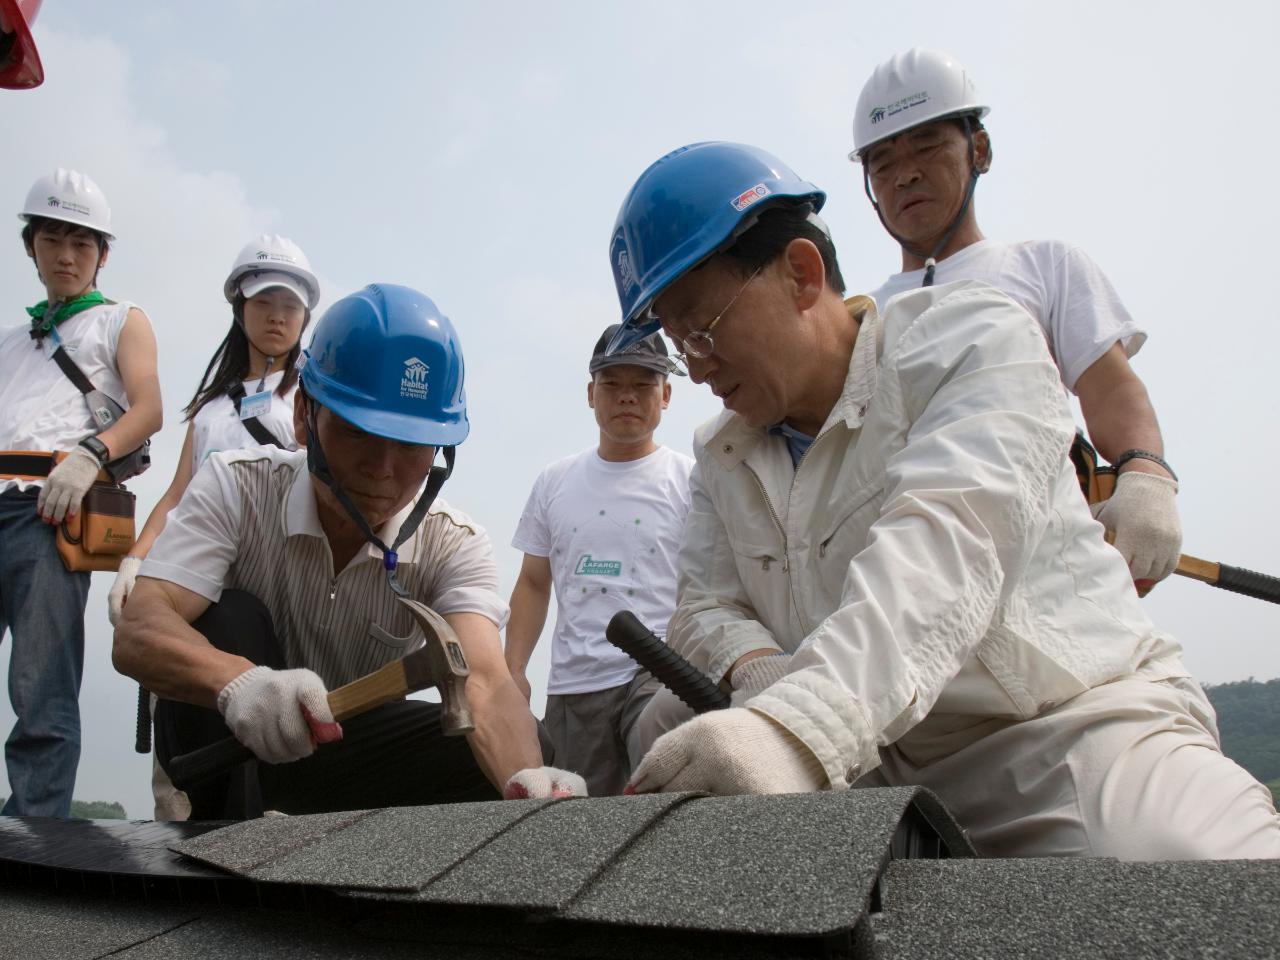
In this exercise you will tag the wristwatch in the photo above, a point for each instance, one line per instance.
(98, 449)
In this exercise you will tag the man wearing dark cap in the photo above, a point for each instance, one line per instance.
(603, 527)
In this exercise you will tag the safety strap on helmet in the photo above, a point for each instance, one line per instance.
(319, 466)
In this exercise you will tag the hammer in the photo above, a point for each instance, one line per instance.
(439, 662)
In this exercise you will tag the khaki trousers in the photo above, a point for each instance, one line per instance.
(1131, 769)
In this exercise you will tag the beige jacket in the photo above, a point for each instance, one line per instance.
(930, 562)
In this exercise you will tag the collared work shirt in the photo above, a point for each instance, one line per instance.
(248, 521)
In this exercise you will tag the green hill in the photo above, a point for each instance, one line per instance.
(1249, 721)
(93, 809)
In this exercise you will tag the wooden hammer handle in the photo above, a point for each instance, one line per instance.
(385, 684)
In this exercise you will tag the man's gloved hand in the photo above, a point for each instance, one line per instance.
(66, 485)
(539, 783)
(1142, 515)
(727, 752)
(122, 587)
(278, 714)
(753, 676)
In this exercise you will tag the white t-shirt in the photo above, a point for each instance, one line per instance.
(612, 532)
(218, 427)
(248, 521)
(40, 409)
(1069, 296)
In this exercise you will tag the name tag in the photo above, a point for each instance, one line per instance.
(255, 404)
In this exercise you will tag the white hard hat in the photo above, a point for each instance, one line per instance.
(71, 197)
(908, 90)
(271, 260)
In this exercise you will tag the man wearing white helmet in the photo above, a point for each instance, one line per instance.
(67, 235)
(919, 137)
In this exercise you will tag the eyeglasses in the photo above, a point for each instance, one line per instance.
(699, 343)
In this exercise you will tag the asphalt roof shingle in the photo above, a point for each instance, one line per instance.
(674, 877)
(1078, 908)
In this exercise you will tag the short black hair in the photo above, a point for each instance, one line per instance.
(59, 228)
(766, 239)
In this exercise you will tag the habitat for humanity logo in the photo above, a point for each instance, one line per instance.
(587, 567)
(71, 205)
(626, 274)
(414, 382)
(747, 197)
(276, 257)
(906, 103)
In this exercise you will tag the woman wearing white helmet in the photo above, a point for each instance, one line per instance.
(75, 332)
(245, 399)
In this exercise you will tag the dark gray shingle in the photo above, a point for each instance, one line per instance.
(1078, 908)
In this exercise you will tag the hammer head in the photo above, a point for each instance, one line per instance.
(440, 662)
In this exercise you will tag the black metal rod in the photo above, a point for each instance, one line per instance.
(628, 634)
(142, 736)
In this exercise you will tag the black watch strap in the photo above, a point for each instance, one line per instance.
(98, 449)
(1143, 455)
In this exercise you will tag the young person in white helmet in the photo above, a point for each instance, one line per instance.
(280, 575)
(67, 235)
(919, 137)
(245, 399)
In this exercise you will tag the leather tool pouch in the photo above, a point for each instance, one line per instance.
(102, 532)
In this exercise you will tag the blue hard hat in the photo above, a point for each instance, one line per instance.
(692, 203)
(387, 360)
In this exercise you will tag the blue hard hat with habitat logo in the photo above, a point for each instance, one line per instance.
(689, 205)
(388, 361)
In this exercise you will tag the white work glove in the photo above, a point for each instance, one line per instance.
(540, 783)
(66, 485)
(278, 714)
(728, 752)
(1142, 515)
(753, 676)
(122, 587)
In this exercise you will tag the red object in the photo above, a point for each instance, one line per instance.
(20, 66)
(322, 732)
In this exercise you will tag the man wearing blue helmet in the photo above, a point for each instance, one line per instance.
(887, 560)
(266, 588)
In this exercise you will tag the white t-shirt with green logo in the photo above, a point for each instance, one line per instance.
(612, 533)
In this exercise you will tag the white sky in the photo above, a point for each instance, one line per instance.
(479, 152)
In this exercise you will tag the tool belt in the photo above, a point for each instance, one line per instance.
(101, 532)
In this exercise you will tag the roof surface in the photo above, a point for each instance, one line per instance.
(673, 876)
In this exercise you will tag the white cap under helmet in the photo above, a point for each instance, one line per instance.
(271, 260)
(908, 90)
(71, 197)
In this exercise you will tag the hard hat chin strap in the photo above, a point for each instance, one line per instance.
(319, 467)
(931, 259)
